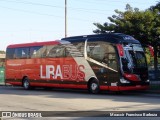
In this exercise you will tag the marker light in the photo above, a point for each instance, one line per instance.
(120, 50)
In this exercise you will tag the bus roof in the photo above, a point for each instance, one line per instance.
(107, 37)
(34, 44)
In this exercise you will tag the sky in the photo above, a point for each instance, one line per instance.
(23, 21)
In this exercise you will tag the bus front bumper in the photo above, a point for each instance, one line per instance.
(125, 88)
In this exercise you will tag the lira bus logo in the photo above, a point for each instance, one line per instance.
(68, 72)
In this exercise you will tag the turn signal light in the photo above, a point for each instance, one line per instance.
(120, 50)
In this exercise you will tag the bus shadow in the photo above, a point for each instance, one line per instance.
(79, 93)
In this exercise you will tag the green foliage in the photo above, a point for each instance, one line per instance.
(157, 6)
(149, 57)
(143, 25)
(2, 52)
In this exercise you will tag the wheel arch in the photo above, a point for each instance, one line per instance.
(91, 79)
(23, 79)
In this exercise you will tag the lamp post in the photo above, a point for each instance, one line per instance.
(65, 18)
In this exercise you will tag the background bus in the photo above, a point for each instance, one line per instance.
(113, 61)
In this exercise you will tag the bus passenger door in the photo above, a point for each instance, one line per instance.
(103, 60)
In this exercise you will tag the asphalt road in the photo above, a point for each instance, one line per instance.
(18, 99)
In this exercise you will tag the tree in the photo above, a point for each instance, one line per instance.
(2, 52)
(157, 6)
(142, 25)
(156, 9)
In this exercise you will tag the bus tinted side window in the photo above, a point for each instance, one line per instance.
(77, 49)
(10, 53)
(35, 52)
(21, 53)
(55, 51)
(51, 51)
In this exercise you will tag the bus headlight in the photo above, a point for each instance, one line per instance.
(122, 80)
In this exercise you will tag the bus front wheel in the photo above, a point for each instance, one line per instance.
(26, 84)
(94, 86)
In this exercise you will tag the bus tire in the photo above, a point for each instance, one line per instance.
(94, 86)
(26, 83)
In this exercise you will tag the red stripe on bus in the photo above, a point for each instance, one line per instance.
(138, 87)
(104, 87)
(59, 85)
(33, 44)
(124, 88)
(15, 83)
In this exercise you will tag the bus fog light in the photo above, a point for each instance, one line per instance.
(122, 80)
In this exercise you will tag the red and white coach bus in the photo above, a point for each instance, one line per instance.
(113, 61)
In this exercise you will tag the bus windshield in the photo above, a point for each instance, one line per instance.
(137, 59)
(134, 56)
